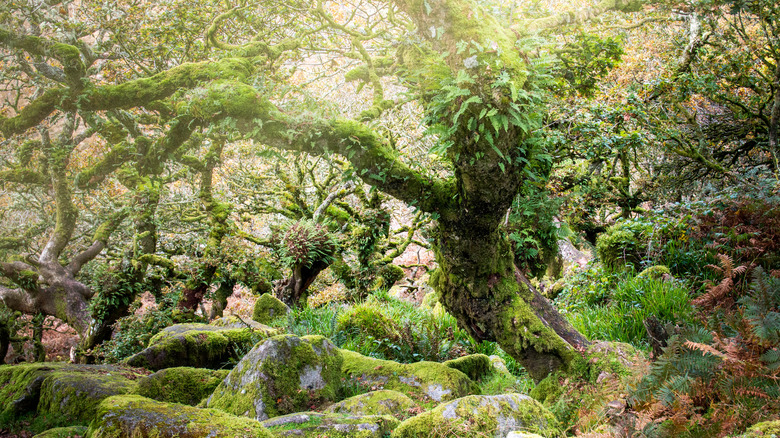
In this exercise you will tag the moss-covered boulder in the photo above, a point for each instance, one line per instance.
(133, 416)
(281, 375)
(64, 432)
(69, 391)
(368, 319)
(429, 381)
(382, 402)
(268, 308)
(766, 429)
(314, 424)
(183, 385)
(480, 416)
(476, 366)
(499, 366)
(430, 300)
(201, 345)
(656, 272)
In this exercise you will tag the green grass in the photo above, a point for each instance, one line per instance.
(618, 316)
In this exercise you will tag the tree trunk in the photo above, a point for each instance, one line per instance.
(479, 284)
(293, 291)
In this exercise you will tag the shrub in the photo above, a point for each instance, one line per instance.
(624, 243)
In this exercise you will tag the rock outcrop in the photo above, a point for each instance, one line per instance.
(315, 424)
(281, 375)
(482, 415)
(428, 380)
(382, 402)
(70, 391)
(133, 416)
(268, 308)
(183, 385)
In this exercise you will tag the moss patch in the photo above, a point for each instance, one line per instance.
(69, 391)
(281, 375)
(268, 308)
(382, 402)
(656, 272)
(425, 381)
(476, 366)
(64, 432)
(180, 385)
(764, 429)
(481, 415)
(136, 416)
(314, 424)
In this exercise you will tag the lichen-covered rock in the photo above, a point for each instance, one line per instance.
(281, 375)
(428, 380)
(268, 308)
(480, 416)
(183, 385)
(476, 366)
(766, 429)
(314, 424)
(64, 432)
(201, 345)
(68, 390)
(133, 416)
(382, 402)
(499, 365)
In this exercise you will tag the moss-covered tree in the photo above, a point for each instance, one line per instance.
(478, 89)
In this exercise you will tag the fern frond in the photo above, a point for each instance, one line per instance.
(704, 348)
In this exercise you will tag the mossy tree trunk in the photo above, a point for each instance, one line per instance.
(294, 290)
(217, 214)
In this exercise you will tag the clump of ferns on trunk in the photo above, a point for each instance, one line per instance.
(307, 248)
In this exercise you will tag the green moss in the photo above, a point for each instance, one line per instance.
(315, 424)
(136, 416)
(476, 366)
(656, 272)
(479, 416)
(430, 300)
(180, 385)
(382, 402)
(522, 330)
(368, 319)
(548, 390)
(623, 243)
(268, 308)
(283, 374)
(64, 432)
(77, 393)
(426, 381)
(67, 393)
(764, 429)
